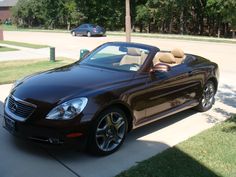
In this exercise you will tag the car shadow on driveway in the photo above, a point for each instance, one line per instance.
(227, 95)
(135, 149)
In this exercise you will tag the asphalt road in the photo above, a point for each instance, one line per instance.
(20, 158)
(69, 46)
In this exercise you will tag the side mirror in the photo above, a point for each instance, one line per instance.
(160, 67)
(83, 52)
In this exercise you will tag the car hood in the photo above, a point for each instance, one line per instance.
(67, 82)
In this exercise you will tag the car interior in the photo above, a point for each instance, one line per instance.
(131, 58)
(172, 58)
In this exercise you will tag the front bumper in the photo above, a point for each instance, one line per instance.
(48, 135)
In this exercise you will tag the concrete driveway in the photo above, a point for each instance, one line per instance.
(20, 158)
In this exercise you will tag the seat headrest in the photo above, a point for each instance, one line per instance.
(134, 52)
(178, 53)
(167, 58)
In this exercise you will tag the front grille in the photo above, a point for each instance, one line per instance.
(20, 108)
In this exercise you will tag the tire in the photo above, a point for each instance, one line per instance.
(89, 34)
(73, 33)
(208, 97)
(108, 132)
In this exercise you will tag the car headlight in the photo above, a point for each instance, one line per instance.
(68, 110)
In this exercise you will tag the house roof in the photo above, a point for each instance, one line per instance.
(7, 3)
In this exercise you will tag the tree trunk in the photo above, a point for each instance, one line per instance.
(170, 25)
(218, 27)
(68, 25)
(182, 22)
(227, 30)
(218, 32)
(149, 27)
(141, 28)
(201, 24)
(213, 27)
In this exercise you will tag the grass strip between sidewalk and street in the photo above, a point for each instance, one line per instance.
(32, 29)
(23, 44)
(175, 36)
(211, 153)
(14, 70)
(7, 49)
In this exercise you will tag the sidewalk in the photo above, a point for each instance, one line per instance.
(28, 53)
(23, 53)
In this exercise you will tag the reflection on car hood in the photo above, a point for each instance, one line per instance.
(58, 84)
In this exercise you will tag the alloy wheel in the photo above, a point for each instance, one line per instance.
(110, 131)
(89, 34)
(73, 33)
(208, 95)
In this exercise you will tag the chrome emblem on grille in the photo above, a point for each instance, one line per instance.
(14, 107)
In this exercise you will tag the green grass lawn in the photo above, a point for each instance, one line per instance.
(35, 29)
(13, 70)
(23, 44)
(6, 49)
(212, 153)
(175, 36)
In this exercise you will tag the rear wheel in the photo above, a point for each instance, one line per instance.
(208, 97)
(108, 132)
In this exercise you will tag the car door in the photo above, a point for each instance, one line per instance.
(81, 29)
(85, 29)
(166, 92)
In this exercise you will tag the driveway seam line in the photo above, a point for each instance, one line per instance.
(60, 162)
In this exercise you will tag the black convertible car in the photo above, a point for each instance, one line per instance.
(117, 87)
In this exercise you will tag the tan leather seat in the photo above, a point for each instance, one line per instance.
(133, 56)
(175, 57)
(164, 57)
(156, 59)
(168, 58)
(178, 54)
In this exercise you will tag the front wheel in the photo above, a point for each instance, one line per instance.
(208, 97)
(109, 132)
(73, 33)
(89, 34)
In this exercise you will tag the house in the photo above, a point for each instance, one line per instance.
(5, 9)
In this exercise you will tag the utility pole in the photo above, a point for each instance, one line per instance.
(127, 21)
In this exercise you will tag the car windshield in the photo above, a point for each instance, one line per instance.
(119, 57)
(92, 26)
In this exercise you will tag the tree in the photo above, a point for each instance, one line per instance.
(201, 17)
(143, 17)
(72, 14)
